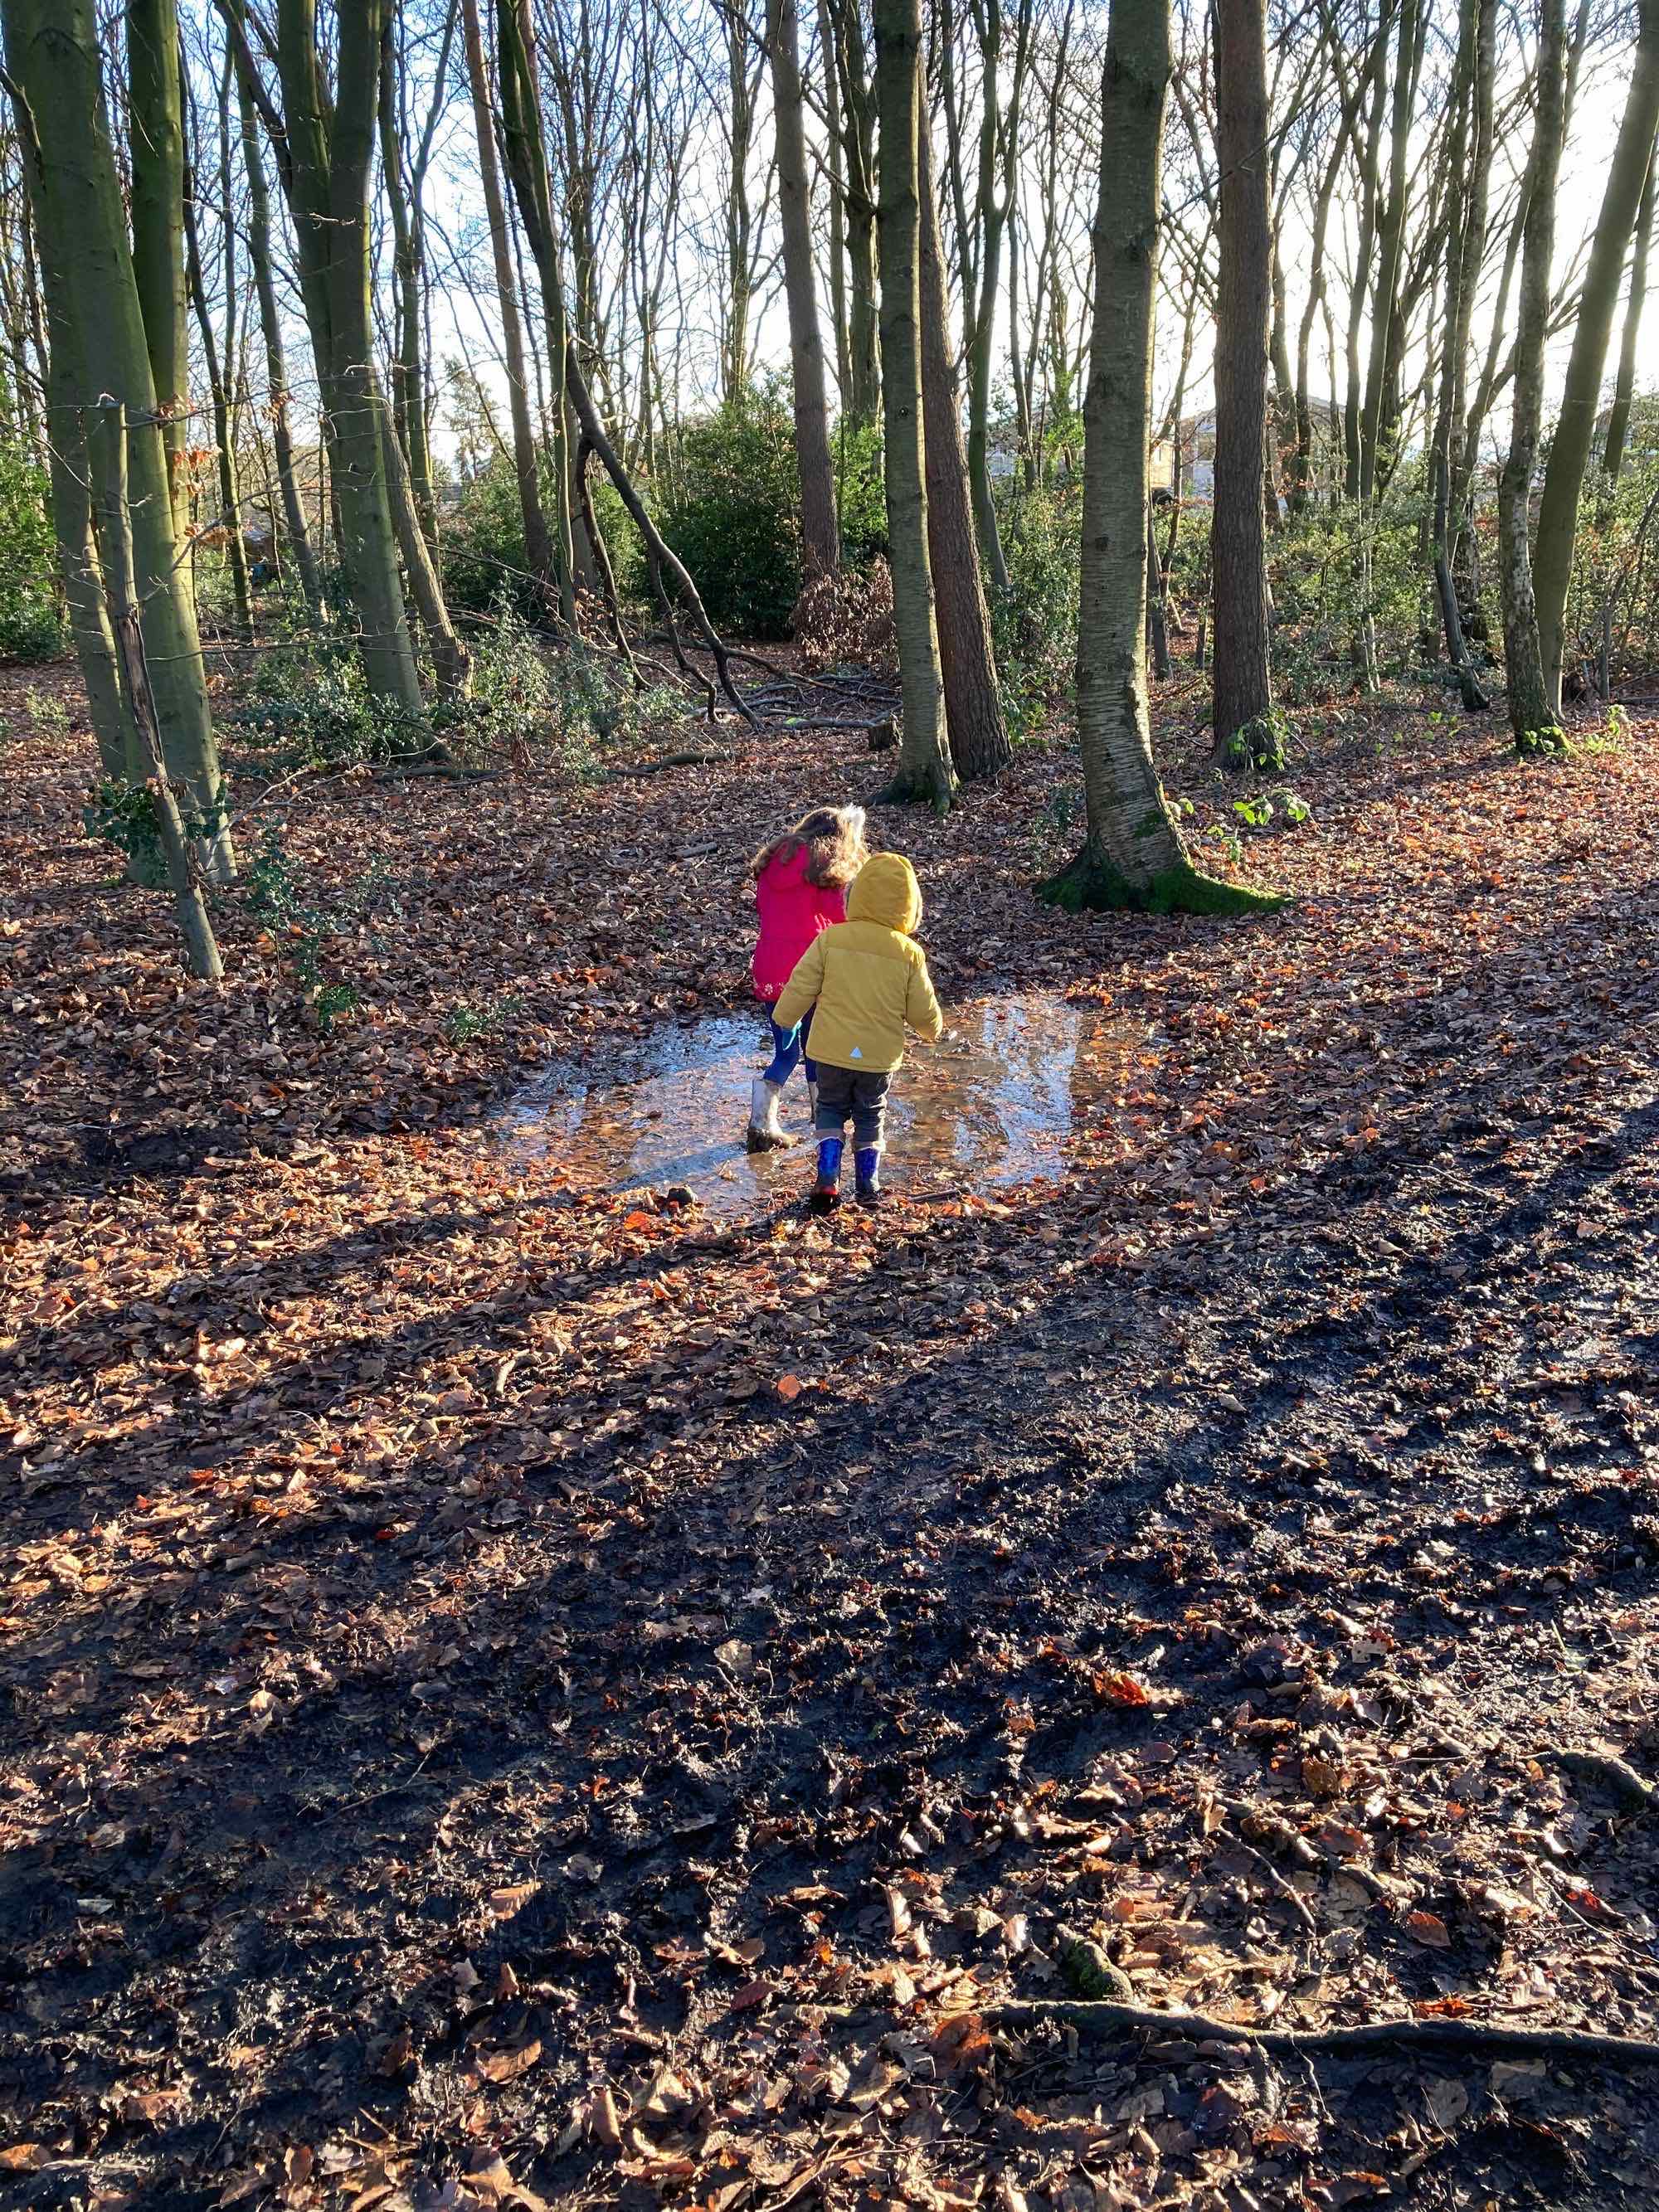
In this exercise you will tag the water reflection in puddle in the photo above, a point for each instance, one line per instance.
(994, 1105)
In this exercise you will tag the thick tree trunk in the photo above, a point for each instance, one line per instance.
(973, 700)
(276, 393)
(820, 536)
(1132, 855)
(1613, 452)
(156, 154)
(539, 545)
(1598, 301)
(923, 771)
(1242, 685)
(116, 738)
(52, 51)
(1533, 714)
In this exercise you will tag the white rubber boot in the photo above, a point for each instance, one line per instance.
(766, 1132)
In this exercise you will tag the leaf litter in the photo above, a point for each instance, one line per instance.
(520, 1692)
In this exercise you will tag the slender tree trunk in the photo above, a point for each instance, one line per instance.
(450, 658)
(220, 369)
(1391, 235)
(973, 700)
(832, 131)
(923, 771)
(1132, 855)
(52, 51)
(538, 548)
(1533, 714)
(106, 443)
(526, 162)
(861, 393)
(408, 358)
(1158, 620)
(1598, 301)
(1613, 453)
(156, 153)
(276, 392)
(820, 536)
(326, 145)
(1463, 247)
(1242, 686)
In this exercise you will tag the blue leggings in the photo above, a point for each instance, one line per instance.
(787, 1047)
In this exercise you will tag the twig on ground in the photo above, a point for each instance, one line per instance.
(1102, 2017)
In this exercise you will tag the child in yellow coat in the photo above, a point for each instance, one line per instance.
(865, 981)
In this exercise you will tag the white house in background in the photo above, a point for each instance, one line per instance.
(1003, 458)
(1197, 435)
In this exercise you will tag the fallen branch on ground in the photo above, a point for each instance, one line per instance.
(668, 760)
(1102, 2017)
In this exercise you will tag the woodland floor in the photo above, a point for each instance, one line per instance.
(514, 1696)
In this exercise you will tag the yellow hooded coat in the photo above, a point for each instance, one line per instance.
(866, 976)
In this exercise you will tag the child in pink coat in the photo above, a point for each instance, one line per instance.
(800, 888)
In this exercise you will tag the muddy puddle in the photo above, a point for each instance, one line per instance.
(995, 1104)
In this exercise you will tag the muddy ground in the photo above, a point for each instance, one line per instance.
(516, 1693)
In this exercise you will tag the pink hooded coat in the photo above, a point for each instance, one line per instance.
(792, 914)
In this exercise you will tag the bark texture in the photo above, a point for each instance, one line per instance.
(1242, 685)
(1132, 855)
(923, 771)
(52, 51)
(330, 142)
(157, 157)
(1581, 396)
(973, 699)
(820, 536)
(1534, 717)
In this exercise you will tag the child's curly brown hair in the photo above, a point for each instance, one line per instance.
(833, 837)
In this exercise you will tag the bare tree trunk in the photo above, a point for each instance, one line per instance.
(1613, 452)
(1598, 300)
(1132, 855)
(276, 392)
(973, 700)
(820, 536)
(1243, 684)
(1463, 250)
(156, 152)
(538, 548)
(53, 54)
(923, 771)
(526, 162)
(1532, 715)
(106, 443)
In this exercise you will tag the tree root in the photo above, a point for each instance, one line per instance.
(1103, 2018)
(1615, 1776)
(1091, 882)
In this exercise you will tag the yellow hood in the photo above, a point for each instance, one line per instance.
(885, 891)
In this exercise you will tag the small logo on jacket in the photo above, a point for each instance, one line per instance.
(857, 1053)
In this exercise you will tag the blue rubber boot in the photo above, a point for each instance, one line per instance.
(867, 1165)
(826, 1191)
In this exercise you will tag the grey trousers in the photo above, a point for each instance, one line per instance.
(848, 1094)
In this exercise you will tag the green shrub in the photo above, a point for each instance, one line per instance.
(31, 613)
(1034, 627)
(730, 509)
